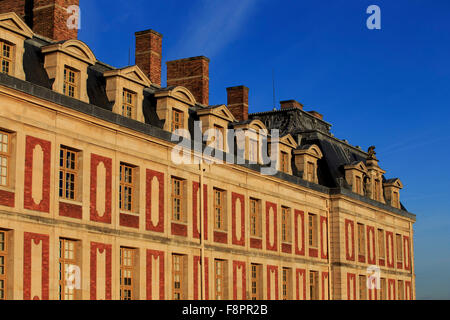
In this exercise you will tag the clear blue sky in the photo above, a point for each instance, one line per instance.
(388, 87)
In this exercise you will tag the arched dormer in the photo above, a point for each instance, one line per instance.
(249, 138)
(13, 33)
(124, 88)
(392, 189)
(215, 120)
(354, 175)
(306, 158)
(173, 106)
(66, 64)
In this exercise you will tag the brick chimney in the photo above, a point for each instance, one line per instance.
(192, 73)
(316, 114)
(238, 102)
(288, 104)
(149, 54)
(47, 18)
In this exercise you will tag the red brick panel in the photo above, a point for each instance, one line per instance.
(323, 237)
(178, 229)
(150, 255)
(44, 205)
(350, 240)
(313, 252)
(299, 234)
(241, 266)
(101, 248)
(150, 174)
(195, 210)
(351, 286)
(371, 251)
(197, 283)
(234, 198)
(407, 253)
(27, 272)
(273, 206)
(390, 249)
(286, 248)
(301, 273)
(70, 210)
(220, 237)
(129, 220)
(94, 214)
(272, 270)
(255, 243)
(7, 198)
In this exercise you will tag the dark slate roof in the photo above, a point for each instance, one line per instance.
(303, 126)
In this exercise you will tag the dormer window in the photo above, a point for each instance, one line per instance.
(355, 173)
(392, 192)
(284, 165)
(6, 56)
(177, 120)
(70, 82)
(128, 104)
(306, 158)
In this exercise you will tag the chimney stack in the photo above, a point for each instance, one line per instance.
(149, 54)
(48, 18)
(316, 114)
(238, 102)
(192, 73)
(288, 104)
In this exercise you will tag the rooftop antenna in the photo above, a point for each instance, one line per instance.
(273, 84)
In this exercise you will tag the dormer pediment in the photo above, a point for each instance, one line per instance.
(360, 166)
(218, 111)
(289, 141)
(74, 48)
(133, 73)
(311, 150)
(12, 22)
(394, 183)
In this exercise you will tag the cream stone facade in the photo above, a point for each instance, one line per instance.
(319, 235)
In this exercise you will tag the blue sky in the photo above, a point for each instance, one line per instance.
(389, 88)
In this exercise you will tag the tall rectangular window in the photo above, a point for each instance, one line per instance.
(5, 155)
(381, 244)
(377, 190)
(178, 277)
(312, 230)
(383, 295)
(310, 171)
(314, 285)
(358, 187)
(284, 166)
(127, 263)
(253, 150)
(396, 199)
(6, 57)
(361, 240)
(3, 263)
(399, 247)
(70, 82)
(255, 218)
(255, 282)
(219, 137)
(401, 290)
(362, 288)
(128, 103)
(286, 284)
(285, 224)
(68, 255)
(220, 279)
(177, 120)
(219, 209)
(177, 199)
(126, 188)
(68, 168)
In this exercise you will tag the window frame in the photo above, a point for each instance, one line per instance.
(179, 124)
(313, 240)
(123, 270)
(284, 165)
(6, 155)
(310, 171)
(381, 244)
(314, 285)
(5, 256)
(219, 139)
(255, 282)
(220, 218)
(64, 170)
(399, 247)
(180, 273)
(128, 108)
(68, 85)
(177, 196)
(10, 59)
(220, 294)
(362, 287)
(62, 262)
(361, 239)
(127, 200)
(286, 288)
(286, 225)
(255, 218)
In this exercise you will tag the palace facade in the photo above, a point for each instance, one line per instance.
(92, 205)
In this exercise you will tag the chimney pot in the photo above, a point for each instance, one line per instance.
(149, 54)
(238, 102)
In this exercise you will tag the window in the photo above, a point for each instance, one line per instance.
(3, 263)
(285, 224)
(5, 155)
(377, 190)
(256, 282)
(314, 285)
(401, 290)
(396, 199)
(284, 162)
(361, 240)
(67, 263)
(219, 137)
(6, 55)
(67, 173)
(310, 171)
(362, 288)
(178, 276)
(286, 284)
(177, 120)
(70, 82)
(177, 199)
(381, 244)
(253, 150)
(127, 262)
(255, 218)
(128, 103)
(312, 230)
(398, 240)
(358, 185)
(219, 209)
(383, 289)
(220, 285)
(126, 187)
